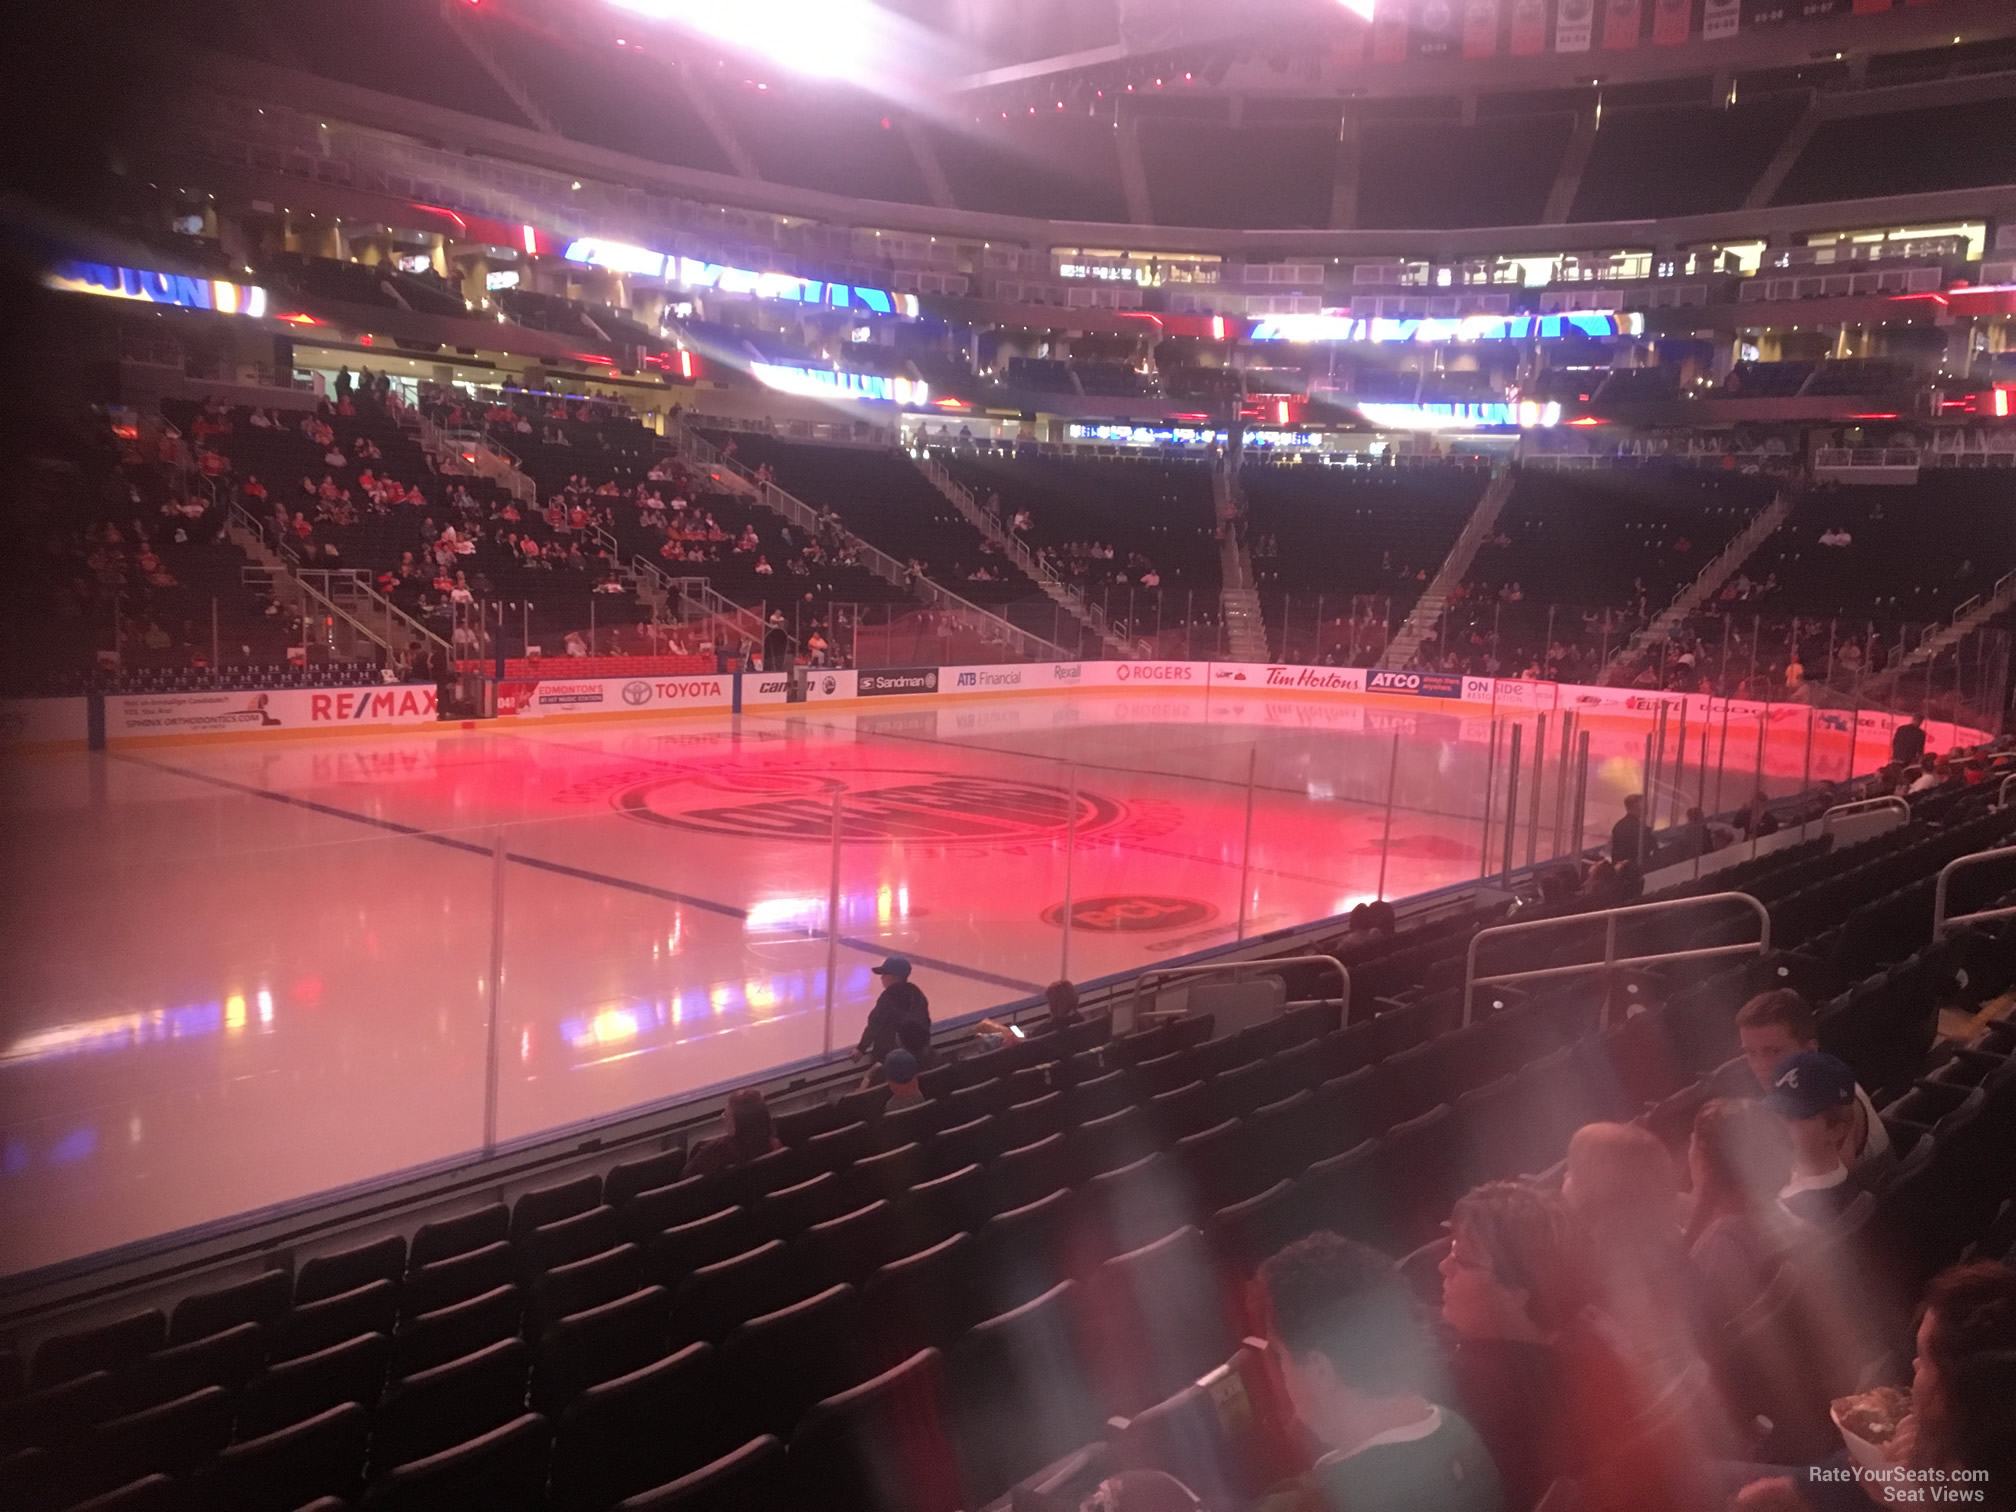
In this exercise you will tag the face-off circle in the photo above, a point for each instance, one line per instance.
(1133, 913)
(917, 807)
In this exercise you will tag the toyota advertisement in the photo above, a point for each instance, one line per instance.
(612, 695)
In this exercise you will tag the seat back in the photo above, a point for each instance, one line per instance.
(754, 1478)
(881, 1446)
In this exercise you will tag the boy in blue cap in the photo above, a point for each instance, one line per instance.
(1815, 1094)
(901, 1002)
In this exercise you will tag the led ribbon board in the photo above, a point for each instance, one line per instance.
(1526, 415)
(824, 383)
(692, 273)
(1319, 328)
(1181, 435)
(181, 290)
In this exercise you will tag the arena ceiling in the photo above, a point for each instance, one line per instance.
(915, 49)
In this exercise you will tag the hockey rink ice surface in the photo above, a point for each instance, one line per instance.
(240, 973)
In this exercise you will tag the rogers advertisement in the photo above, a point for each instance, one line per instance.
(133, 715)
(1181, 674)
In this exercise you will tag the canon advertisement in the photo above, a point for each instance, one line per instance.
(821, 684)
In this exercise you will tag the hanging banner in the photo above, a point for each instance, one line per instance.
(1480, 29)
(1389, 31)
(1435, 29)
(1529, 27)
(1761, 13)
(1574, 25)
(1623, 20)
(1821, 10)
(1720, 19)
(1672, 22)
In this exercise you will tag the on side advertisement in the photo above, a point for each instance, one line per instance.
(329, 709)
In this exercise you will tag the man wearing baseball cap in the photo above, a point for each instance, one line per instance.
(1815, 1094)
(901, 1002)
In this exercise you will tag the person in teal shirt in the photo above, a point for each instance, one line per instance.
(1357, 1363)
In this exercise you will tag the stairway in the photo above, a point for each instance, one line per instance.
(1968, 618)
(347, 596)
(1238, 599)
(1630, 656)
(1068, 598)
(1427, 610)
(472, 454)
(1245, 629)
(726, 473)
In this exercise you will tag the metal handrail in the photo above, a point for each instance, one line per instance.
(1611, 960)
(1863, 806)
(2002, 793)
(883, 565)
(1941, 921)
(961, 498)
(1235, 967)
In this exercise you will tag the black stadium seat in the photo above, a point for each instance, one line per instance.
(676, 1253)
(290, 1467)
(292, 1391)
(753, 1478)
(775, 1366)
(543, 1205)
(110, 1346)
(323, 1276)
(587, 1348)
(446, 1238)
(448, 1333)
(503, 1471)
(371, 1308)
(454, 1279)
(586, 1283)
(624, 1435)
(881, 1446)
(624, 1181)
(432, 1410)
(229, 1359)
(923, 1300)
(1021, 1393)
(260, 1299)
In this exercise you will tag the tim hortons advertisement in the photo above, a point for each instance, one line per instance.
(136, 714)
(1312, 679)
(611, 695)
